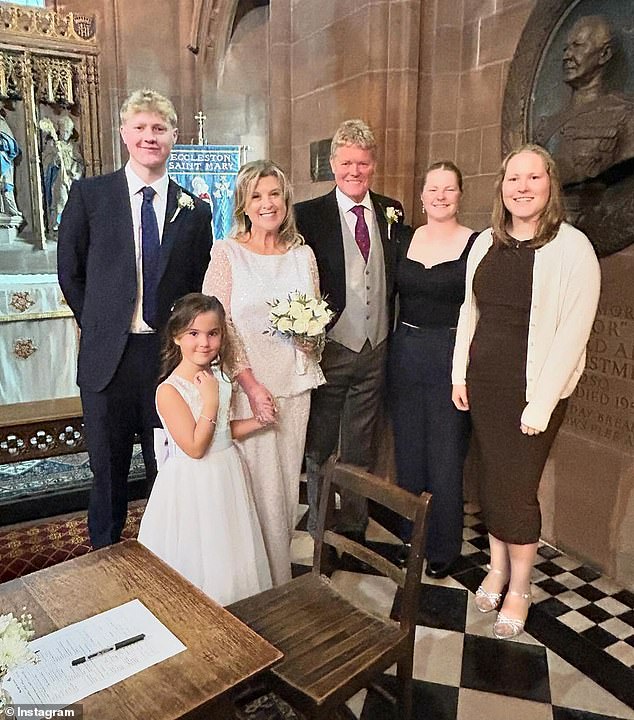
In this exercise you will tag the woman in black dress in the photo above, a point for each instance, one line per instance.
(532, 291)
(430, 435)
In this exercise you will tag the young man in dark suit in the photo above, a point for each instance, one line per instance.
(348, 230)
(130, 244)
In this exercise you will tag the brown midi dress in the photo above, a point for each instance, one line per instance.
(507, 464)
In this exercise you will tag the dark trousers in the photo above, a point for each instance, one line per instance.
(112, 417)
(343, 414)
(430, 434)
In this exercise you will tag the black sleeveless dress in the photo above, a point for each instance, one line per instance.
(507, 464)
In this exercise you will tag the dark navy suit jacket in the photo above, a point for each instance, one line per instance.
(97, 267)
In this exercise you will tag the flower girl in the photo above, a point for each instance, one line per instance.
(200, 517)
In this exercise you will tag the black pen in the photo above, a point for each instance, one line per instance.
(116, 646)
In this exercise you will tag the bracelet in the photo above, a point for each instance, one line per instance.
(211, 420)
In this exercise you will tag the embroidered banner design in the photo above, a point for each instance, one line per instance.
(209, 172)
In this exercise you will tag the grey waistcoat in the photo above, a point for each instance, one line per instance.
(365, 315)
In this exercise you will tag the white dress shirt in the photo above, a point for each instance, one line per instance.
(135, 187)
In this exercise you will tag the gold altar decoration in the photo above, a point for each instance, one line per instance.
(11, 69)
(54, 80)
(24, 348)
(21, 301)
(49, 69)
(40, 22)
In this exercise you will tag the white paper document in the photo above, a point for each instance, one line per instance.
(55, 681)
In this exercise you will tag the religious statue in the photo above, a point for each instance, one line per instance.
(62, 163)
(592, 138)
(9, 151)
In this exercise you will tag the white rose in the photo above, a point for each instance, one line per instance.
(5, 621)
(284, 324)
(300, 325)
(281, 308)
(315, 327)
(297, 309)
(321, 310)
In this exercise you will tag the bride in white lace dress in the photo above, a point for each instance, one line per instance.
(266, 259)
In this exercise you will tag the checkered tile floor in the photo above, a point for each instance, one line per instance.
(574, 662)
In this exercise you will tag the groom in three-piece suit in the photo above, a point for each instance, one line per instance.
(130, 244)
(348, 230)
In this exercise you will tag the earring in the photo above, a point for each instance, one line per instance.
(422, 207)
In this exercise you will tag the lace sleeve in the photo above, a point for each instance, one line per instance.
(218, 279)
(314, 272)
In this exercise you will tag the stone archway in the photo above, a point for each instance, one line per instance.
(230, 39)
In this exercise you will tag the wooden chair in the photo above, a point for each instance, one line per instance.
(332, 648)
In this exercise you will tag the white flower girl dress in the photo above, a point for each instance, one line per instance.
(200, 518)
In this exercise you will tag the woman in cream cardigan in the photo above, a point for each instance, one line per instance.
(532, 290)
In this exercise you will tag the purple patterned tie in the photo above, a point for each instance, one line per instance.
(361, 232)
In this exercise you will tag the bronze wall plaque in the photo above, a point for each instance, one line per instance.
(320, 161)
(571, 89)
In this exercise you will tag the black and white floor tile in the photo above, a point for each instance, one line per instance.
(574, 662)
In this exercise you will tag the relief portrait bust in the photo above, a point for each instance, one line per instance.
(595, 130)
(571, 90)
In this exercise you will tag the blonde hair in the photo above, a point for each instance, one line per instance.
(248, 177)
(353, 132)
(147, 100)
(552, 215)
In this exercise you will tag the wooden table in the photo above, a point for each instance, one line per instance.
(221, 652)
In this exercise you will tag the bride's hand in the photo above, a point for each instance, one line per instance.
(262, 404)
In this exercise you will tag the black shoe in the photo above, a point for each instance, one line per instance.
(402, 555)
(439, 570)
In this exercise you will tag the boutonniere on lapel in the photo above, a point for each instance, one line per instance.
(182, 201)
(392, 215)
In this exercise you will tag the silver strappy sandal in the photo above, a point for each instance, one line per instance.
(486, 601)
(507, 627)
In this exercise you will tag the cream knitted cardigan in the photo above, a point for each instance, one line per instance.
(566, 285)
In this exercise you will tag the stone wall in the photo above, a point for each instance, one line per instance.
(348, 58)
(430, 78)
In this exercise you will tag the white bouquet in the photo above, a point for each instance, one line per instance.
(15, 634)
(302, 318)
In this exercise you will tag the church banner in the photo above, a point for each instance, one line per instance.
(209, 172)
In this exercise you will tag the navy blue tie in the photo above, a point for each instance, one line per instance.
(150, 251)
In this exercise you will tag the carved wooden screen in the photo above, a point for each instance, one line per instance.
(48, 69)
